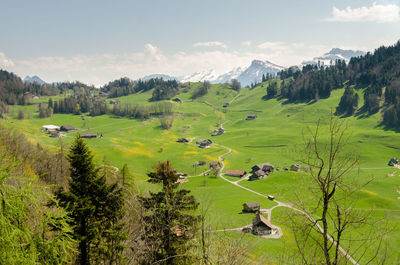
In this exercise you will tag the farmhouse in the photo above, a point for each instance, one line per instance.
(218, 132)
(295, 167)
(203, 143)
(201, 163)
(182, 140)
(50, 127)
(235, 173)
(261, 226)
(89, 135)
(251, 207)
(266, 167)
(225, 105)
(54, 133)
(67, 128)
(251, 116)
(259, 174)
(393, 161)
(215, 165)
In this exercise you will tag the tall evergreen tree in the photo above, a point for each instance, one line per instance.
(169, 227)
(94, 206)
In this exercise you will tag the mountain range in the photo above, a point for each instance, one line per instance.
(34, 79)
(334, 54)
(253, 73)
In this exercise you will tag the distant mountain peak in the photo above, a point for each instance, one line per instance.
(34, 79)
(333, 55)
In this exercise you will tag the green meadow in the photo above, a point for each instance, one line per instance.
(272, 137)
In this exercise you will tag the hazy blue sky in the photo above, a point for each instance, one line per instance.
(96, 41)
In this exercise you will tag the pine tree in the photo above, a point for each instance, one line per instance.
(169, 227)
(94, 206)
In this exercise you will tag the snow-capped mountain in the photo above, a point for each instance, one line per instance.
(165, 77)
(335, 54)
(246, 76)
(208, 75)
(254, 73)
(34, 79)
(227, 77)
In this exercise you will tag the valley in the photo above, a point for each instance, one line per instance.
(271, 137)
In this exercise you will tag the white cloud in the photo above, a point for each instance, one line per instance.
(99, 69)
(5, 62)
(246, 43)
(210, 44)
(274, 46)
(375, 13)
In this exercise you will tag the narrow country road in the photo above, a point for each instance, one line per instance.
(280, 204)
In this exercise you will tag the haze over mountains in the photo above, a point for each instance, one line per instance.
(245, 75)
(34, 79)
(257, 68)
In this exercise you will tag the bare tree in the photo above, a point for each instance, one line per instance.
(323, 231)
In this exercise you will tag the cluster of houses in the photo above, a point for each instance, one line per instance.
(218, 132)
(260, 225)
(204, 143)
(260, 171)
(57, 131)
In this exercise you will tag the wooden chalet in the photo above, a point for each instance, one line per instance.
(88, 135)
(215, 165)
(67, 128)
(251, 207)
(251, 116)
(295, 167)
(235, 173)
(261, 226)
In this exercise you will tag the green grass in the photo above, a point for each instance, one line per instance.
(270, 138)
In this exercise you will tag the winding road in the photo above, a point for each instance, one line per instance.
(279, 204)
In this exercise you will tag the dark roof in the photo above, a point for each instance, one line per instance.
(260, 173)
(67, 127)
(182, 140)
(215, 163)
(252, 204)
(88, 135)
(259, 219)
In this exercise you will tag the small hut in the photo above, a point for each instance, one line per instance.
(67, 128)
(251, 117)
(295, 167)
(215, 165)
(182, 140)
(89, 135)
(251, 207)
(266, 167)
(203, 143)
(261, 226)
(393, 161)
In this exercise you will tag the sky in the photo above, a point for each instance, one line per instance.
(98, 41)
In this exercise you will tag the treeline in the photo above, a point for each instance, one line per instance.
(202, 90)
(124, 86)
(378, 73)
(95, 106)
(14, 91)
(312, 82)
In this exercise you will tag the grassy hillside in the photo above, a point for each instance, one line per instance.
(269, 138)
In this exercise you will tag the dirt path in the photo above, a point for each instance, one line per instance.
(280, 204)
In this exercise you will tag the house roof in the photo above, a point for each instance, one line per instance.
(68, 127)
(51, 127)
(88, 134)
(252, 204)
(260, 173)
(259, 219)
(235, 172)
